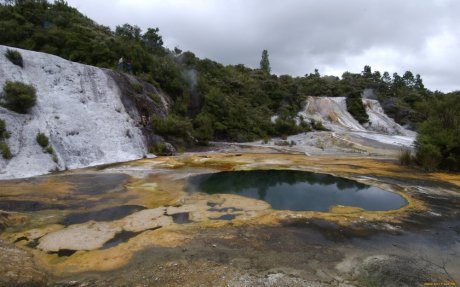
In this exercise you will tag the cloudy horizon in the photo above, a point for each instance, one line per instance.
(333, 36)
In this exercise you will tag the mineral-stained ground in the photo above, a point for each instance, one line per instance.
(135, 224)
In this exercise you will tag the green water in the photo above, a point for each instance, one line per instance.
(297, 190)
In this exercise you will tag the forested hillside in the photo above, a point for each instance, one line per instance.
(216, 102)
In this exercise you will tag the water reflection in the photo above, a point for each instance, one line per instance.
(297, 190)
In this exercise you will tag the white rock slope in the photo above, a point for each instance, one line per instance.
(332, 112)
(78, 108)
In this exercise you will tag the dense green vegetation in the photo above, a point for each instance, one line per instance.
(216, 102)
(15, 57)
(19, 97)
(356, 108)
(438, 141)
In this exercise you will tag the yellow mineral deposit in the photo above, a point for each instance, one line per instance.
(162, 192)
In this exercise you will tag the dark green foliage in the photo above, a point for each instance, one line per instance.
(210, 101)
(137, 87)
(356, 108)
(265, 62)
(172, 126)
(49, 150)
(19, 97)
(155, 98)
(318, 125)
(4, 134)
(438, 140)
(42, 140)
(15, 57)
(5, 150)
(158, 148)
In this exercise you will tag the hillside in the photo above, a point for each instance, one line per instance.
(210, 101)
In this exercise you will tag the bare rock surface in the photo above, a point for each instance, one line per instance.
(78, 108)
(86, 236)
(18, 268)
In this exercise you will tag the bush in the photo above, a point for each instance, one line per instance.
(171, 126)
(15, 57)
(19, 97)
(42, 140)
(429, 157)
(438, 139)
(318, 125)
(4, 134)
(356, 108)
(157, 148)
(5, 150)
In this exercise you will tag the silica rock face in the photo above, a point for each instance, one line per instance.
(333, 113)
(78, 107)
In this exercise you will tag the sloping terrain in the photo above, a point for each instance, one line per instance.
(79, 108)
(332, 112)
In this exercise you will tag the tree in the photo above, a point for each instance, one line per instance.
(438, 140)
(367, 72)
(408, 78)
(419, 83)
(386, 78)
(265, 62)
(128, 32)
(153, 42)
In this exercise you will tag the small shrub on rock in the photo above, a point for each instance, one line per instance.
(42, 140)
(4, 134)
(5, 150)
(15, 57)
(19, 97)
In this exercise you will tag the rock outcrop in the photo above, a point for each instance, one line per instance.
(91, 116)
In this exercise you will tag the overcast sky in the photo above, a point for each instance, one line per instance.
(422, 36)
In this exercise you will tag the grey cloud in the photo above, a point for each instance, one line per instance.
(302, 35)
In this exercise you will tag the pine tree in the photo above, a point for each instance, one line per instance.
(264, 62)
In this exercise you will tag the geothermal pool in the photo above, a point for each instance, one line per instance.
(297, 190)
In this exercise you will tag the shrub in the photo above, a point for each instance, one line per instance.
(438, 140)
(5, 150)
(42, 140)
(19, 97)
(15, 57)
(318, 125)
(4, 134)
(429, 157)
(155, 98)
(171, 126)
(157, 148)
(138, 88)
(356, 108)
(50, 150)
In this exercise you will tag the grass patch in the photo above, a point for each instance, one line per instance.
(405, 157)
